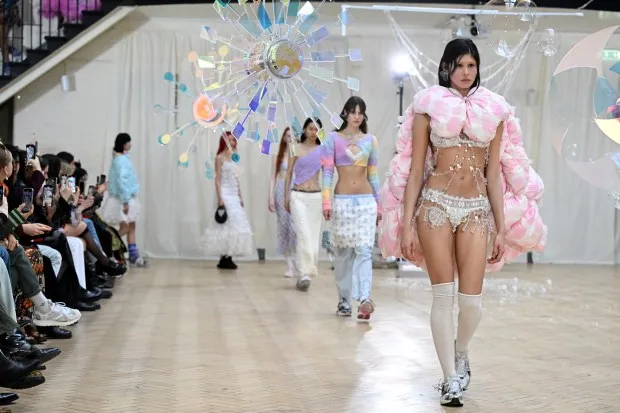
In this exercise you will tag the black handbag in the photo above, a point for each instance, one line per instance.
(220, 215)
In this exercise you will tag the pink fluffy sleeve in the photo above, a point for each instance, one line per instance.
(523, 190)
(392, 194)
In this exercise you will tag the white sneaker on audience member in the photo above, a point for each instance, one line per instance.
(59, 316)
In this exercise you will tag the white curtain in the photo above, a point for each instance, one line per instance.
(120, 77)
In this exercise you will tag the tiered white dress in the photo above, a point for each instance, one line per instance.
(233, 237)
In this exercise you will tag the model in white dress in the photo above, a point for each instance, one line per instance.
(234, 236)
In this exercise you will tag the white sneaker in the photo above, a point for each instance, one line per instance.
(451, 393)
(71, 312)
(303, 283)
(59, 316)
(139, 262)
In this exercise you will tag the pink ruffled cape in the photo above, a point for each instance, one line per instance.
(479, 114)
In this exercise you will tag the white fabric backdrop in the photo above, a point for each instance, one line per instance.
(119, 79)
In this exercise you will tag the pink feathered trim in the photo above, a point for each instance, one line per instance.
(523, 187)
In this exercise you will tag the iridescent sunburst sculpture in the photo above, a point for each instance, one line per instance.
(268, 72)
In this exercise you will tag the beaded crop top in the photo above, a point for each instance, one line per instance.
(464, 122)
(339, 151)
(465, 160)
(307, 166)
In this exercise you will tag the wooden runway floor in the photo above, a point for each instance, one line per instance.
(182, 336)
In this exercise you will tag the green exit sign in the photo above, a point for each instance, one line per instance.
(610, 55)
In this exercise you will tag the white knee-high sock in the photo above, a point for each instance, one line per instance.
(442, 327)
(470, 314)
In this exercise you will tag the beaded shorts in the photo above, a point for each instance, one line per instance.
(472, 214)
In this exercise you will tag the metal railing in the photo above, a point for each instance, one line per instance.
(25, 25)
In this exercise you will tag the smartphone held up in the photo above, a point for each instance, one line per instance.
(27, 199)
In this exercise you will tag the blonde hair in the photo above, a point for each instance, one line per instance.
(65, 168)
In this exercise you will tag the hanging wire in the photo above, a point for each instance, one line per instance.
(585, 5)
(498, 76)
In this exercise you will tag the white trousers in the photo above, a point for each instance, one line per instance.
(77, 252)
(307, 214)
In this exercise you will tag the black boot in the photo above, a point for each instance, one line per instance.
(115, 269)
(226, 263)
(7, 398)
(11, 371)
(86, 306)
(92, 281)
(232, 264)
(56, 333)
(32, 379)
(104, 282)
(89, 295)
(15, 346)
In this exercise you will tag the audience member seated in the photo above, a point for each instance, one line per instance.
(58, 258)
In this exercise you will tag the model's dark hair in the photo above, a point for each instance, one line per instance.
(66, 156)
(453, 52)
(349, 107)
(80, 174)
(121, 141)
(308, 121)
(54, 164)
(43, 162)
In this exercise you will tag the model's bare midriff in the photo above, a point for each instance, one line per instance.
(352, 180)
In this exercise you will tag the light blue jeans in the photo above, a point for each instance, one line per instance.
(353, 271)
(4, 255)
(353, 234)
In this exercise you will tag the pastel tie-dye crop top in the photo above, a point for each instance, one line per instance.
(338, 151)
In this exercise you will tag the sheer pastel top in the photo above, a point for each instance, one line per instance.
(307, 166)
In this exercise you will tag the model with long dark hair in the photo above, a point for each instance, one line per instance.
(233, 236)
(303, 201)
(456, 145)
(353, 212)
(287, 239)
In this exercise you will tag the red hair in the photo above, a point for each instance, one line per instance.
(282, 148)
(223, 145)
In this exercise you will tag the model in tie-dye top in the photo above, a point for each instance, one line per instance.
(340, 151)
(353, 212)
